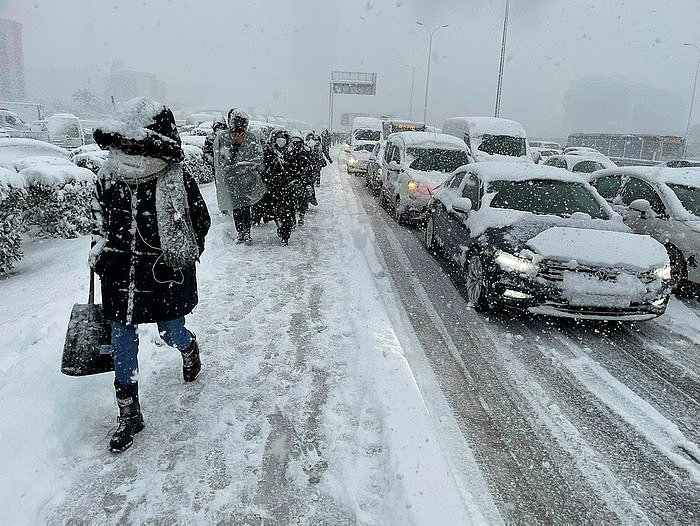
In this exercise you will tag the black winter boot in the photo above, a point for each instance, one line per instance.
(191, 364)
(130, 418)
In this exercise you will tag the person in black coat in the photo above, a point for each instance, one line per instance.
(318, 162)
(300, 173)
(279, 184)
(150, 224)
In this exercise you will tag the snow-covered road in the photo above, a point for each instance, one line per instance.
(315, 404)
(346, 381)
(570, 422)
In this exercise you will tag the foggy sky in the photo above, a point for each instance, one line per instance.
(276, 55)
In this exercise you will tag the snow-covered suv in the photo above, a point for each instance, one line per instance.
(414, 165)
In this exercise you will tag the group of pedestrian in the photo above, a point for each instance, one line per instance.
(150, 224)
(260, 179)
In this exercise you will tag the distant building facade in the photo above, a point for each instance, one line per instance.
(12, 86)
(126, 84)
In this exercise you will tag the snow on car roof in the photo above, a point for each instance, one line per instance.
(428, 139)
(657, 174)
(48, 174)
(12, 149)
(578, 158)
(368, 122)
(505, 171)
(495, 126)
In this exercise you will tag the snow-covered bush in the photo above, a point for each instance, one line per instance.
(58, 201)
(13, 194)
(194, 163)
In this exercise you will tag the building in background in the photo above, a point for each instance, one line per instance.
(125, 84)
(617, 105)
(11, 61)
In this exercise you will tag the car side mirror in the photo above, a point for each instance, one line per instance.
(642, 206)
(394, 166)
(462, 204)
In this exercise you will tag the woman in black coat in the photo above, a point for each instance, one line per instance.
(150, 225)
(279, 185)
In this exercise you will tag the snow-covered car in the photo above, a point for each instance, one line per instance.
(546, 145)
(373, 179)
(413, 166)
(575, 163)
(491, 138)
(358, 158)
(541, 239)
(66, 130)
(91, 159)
(13, 149)
(683, 163)
(596, 156)
(663, 203)
(366, 130)
(539, 155)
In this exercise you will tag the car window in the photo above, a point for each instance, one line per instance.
(471, 190)
(637, 189)
(608, 186)
(396, 154)
(388, 152)
(551, 162)
(587, 167)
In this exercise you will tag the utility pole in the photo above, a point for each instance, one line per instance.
(410, 97)
(431, 32)
(692, 98)
(497, 110)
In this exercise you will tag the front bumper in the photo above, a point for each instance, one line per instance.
(357, 167)
(538, 295)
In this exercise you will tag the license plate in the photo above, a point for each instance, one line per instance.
(598, 300)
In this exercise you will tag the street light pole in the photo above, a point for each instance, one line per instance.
(431, 32)
(497, 110)
(410, 97)
(692, 98)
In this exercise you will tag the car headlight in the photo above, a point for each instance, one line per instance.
(412, 186)
(352, 160)
(512, 263)
(662, 273)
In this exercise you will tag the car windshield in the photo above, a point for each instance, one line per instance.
(689, 196)
(368, 135)
(503, 145)
(436, 159)
(546, 196)
(364, 148)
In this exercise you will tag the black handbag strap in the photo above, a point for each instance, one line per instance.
(91, 296)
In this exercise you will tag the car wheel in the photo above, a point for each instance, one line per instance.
(477, 283)
(430, 243)
(679, 269)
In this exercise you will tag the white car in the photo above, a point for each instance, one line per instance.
(546, 145)
(358, 158)
(575, 163)
(413, 166)
(14, 149)
(491, 138)
(663, 203)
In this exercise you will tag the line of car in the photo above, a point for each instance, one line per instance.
(597, 242)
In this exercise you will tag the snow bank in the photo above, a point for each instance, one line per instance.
(11, 179)
(600, 248)
(43, 160)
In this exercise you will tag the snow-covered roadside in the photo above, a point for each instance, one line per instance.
(307, 406)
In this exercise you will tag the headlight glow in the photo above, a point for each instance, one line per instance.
(512, 263)
(662, 273)
(352, 160)
(412, 186)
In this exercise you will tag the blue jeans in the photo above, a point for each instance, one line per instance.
(125, 347)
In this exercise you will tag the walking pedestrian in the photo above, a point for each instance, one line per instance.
(237, 163)
(317, 163)
(208, 148)
(325, 146)
(279, 184)
(299, 167)
(150, 224)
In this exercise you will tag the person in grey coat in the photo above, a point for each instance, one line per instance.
(238, 160)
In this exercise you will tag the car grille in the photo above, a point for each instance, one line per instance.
(554, 272)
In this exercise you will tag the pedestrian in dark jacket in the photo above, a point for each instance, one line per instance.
(150, 224)
(279, 184)
(208, 148)
(317, 161)
(325, 145)
(299, 166)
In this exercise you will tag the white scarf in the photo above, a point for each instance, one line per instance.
(177, 238)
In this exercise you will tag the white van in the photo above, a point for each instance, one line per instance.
(491, 138)
(13, 124)
(366, 130)
(65, 130)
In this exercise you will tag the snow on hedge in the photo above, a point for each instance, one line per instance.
(13, 149)
(194, 140)
(13, 193)
(195, 165)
